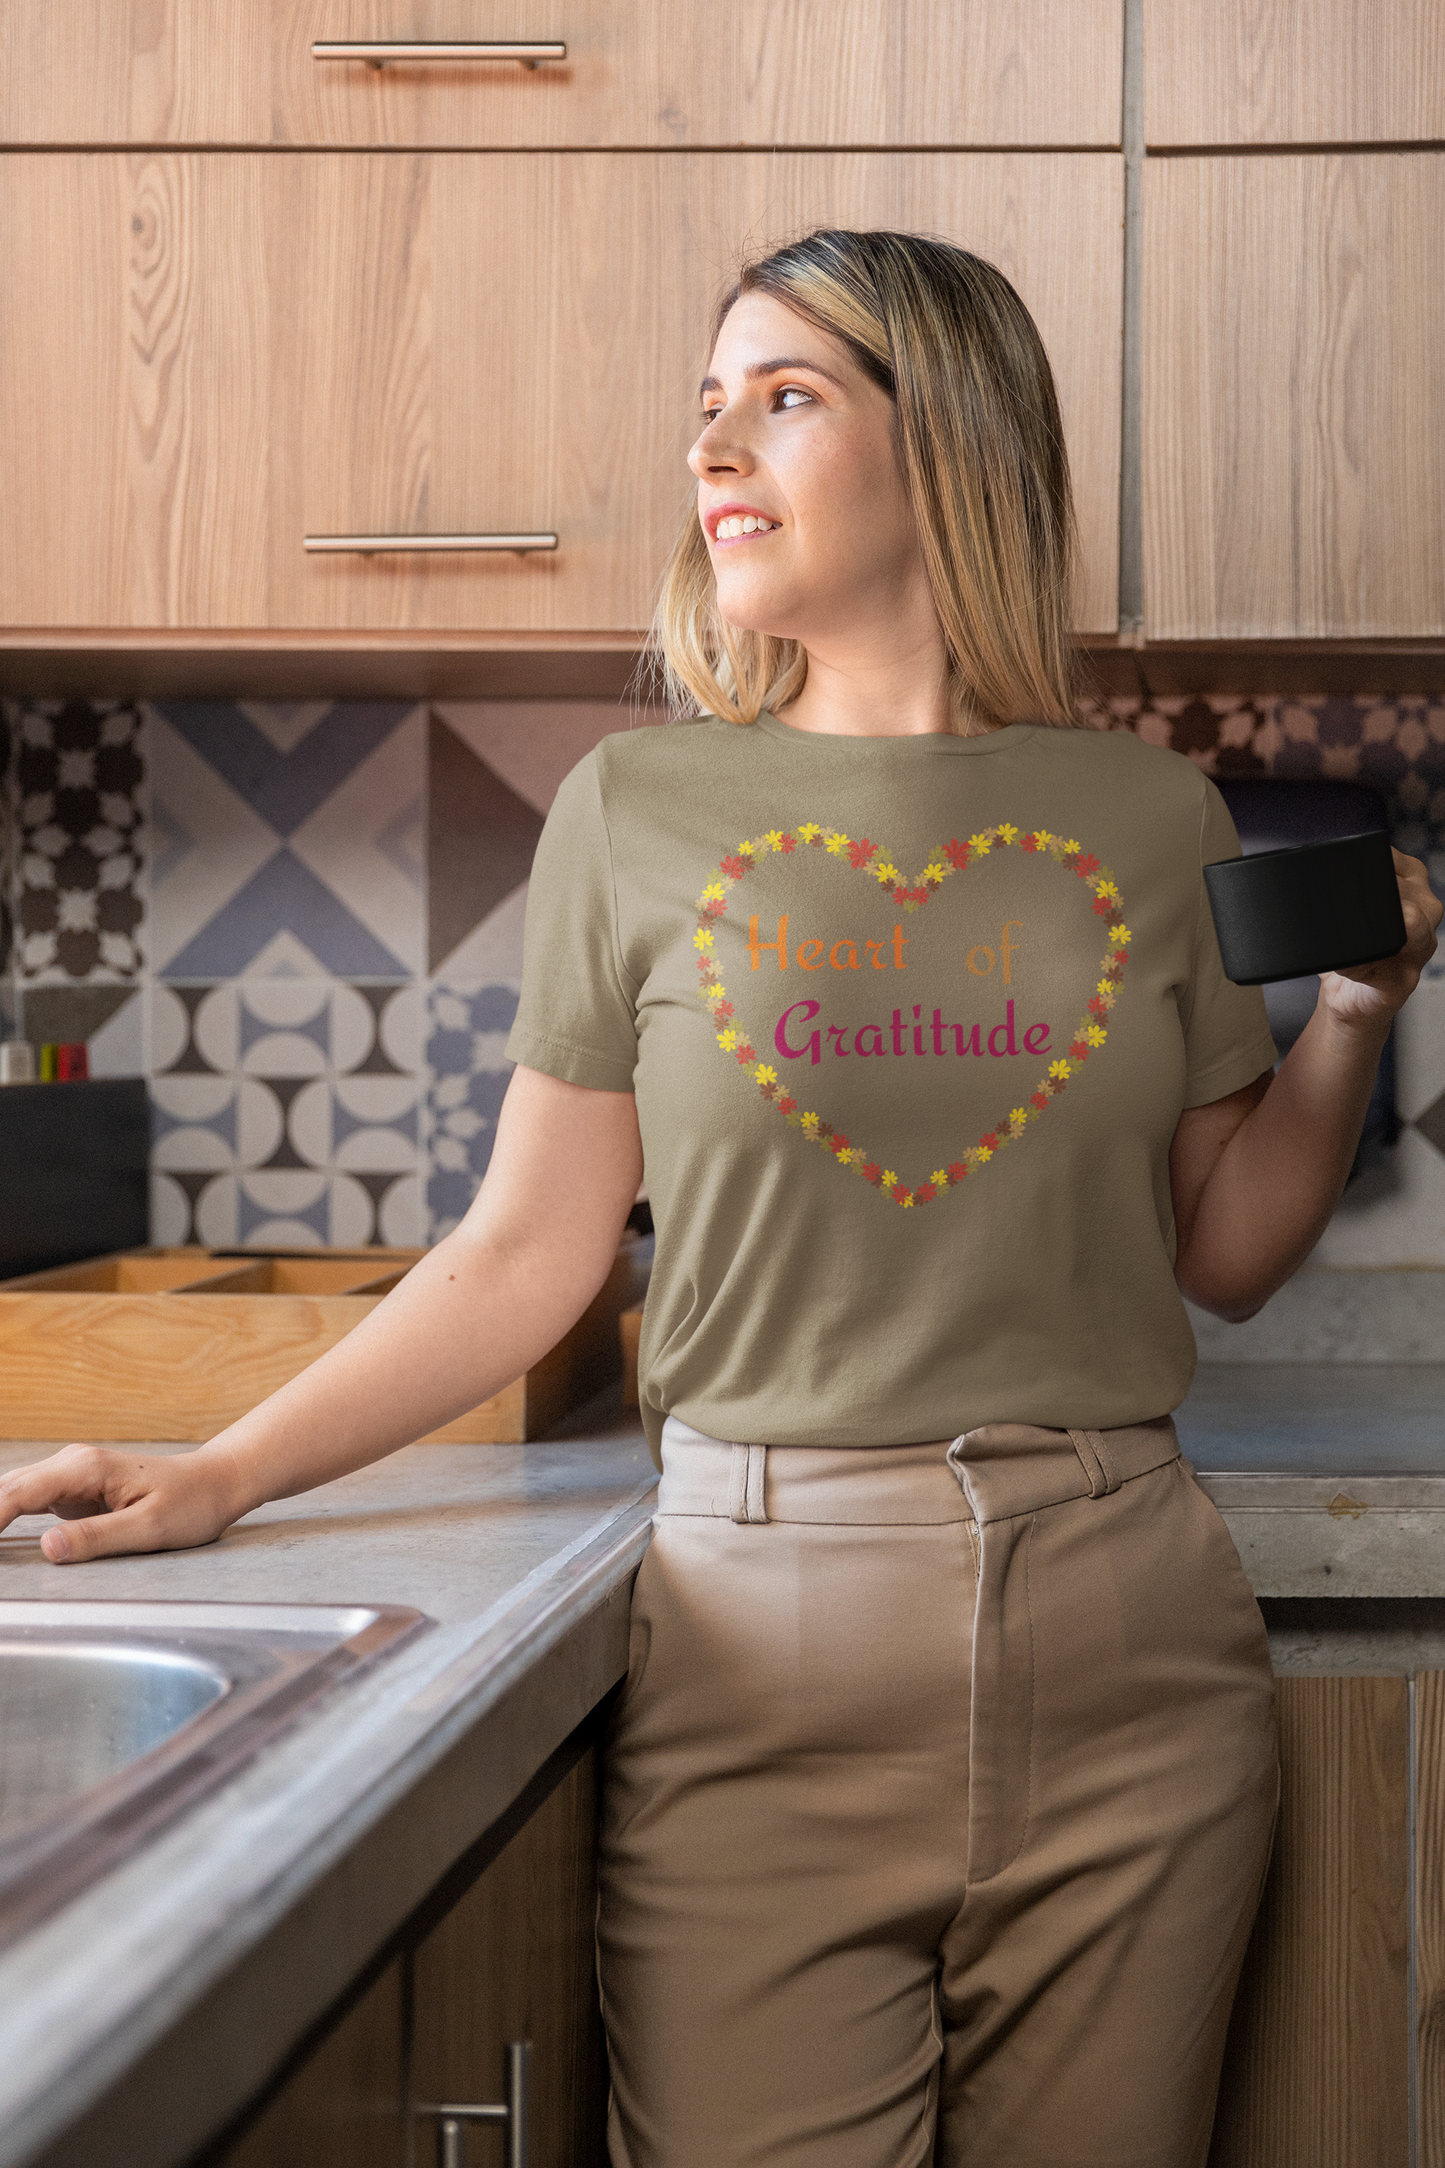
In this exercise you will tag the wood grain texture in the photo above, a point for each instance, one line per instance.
(204, 359)
(515, 1960)
(1317, 2066)
(344, 2108)
(666, 73)
(1294, 377)
(1293, 71)
(1430, 1919)
(139, 1366)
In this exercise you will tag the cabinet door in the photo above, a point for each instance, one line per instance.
(1430, 1919)
(1294, 378)
(204, 359)
(344, 2108)
(1317, 2071)
(516, 1960)
(1294, 71)
(653, 72)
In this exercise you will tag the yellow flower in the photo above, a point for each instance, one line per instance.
(1071, 845)
(906, 1201)
(764, 1075)
(983, 844)
(714, 892)
(1107, 889)
(745, 850)
(890, 1179)
(1105, 991)
(837, 843)
(1096, 1035)
(936, 871)
(808, 830)
(1120, 934)
(939, 1178)
(887, 872)
(1019, 1115)
(846, 1158)
(810, 1123)
(702, 939)
(984, 1155)
(1007, 833)
(714, 995)
(1044, 840)
(727, 1040)
(773, 838)
(1060, 1069)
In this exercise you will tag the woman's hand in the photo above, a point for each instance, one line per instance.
(1373, 993)
(125, 1501)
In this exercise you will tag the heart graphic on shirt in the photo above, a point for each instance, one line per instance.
(871, 862)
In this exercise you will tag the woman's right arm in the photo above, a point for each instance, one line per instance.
(469, 1317)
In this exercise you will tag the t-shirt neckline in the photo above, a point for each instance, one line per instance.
(917, 746)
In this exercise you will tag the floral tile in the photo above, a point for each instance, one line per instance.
(79, 775)
(467, 1078)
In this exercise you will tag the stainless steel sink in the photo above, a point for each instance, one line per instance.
(115, 1717)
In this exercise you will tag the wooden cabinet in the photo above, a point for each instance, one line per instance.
(1294, 378)
(1293, 71)
(512, 1959)
(671, 73)
(205, 357)
(1317, 2072)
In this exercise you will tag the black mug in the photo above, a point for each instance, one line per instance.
(1316, 907)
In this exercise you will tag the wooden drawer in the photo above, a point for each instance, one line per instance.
(671, 73)
(173, 1345)
(203, 359)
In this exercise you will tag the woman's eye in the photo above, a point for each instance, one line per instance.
(710, 415)
(785, 398)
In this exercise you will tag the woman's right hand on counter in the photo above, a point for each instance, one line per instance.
(109, 1501)
(475, 1313)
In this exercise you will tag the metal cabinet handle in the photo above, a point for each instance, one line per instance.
(513, 2113)
(377, 52)
(372, 545)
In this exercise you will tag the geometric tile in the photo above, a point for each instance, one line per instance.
(481, 839)
(1431, 1124)
(78, 781)
(366, 842)
(468, 1074)
(284, 786)
(286, 897)
(491, 954)
(211, 843)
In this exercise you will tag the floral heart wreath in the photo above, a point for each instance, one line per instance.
(866, 857)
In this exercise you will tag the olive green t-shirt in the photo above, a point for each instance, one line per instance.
(911, 1022)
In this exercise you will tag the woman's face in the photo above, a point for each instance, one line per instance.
(807, 516)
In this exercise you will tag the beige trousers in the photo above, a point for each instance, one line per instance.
(937, 1806)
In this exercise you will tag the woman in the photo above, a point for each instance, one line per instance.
(941, 1791)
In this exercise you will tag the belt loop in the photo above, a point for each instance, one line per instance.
(1089, 1445)
(745, 1483)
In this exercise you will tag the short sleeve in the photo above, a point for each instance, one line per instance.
(577, 1018)
(1227, 1039)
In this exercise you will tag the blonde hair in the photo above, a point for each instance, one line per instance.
(982, 451)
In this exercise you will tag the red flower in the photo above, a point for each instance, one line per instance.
(1087, 865)
(924, 1194)
(1102, 907)
(956, 853)
(789, 843)
(724, 1009)
(733, 867)
(786, 1106)
(991, 1140)
(1098, 1006)
(873, 1173)
(860, 853)
(1080, 1049)
(899, 895)
(1028, 843)
(958, 1168)
(715, 906)
(901, 1196)
(743, 1054)
(839, 1144)
(1041, 1099)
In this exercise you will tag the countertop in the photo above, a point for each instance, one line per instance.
(134, 2021)
(187, 1975)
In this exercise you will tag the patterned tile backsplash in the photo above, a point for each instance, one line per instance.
(303, 923)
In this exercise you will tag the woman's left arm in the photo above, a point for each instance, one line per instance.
(1256, 1176)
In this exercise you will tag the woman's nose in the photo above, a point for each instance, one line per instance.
(719, 450)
